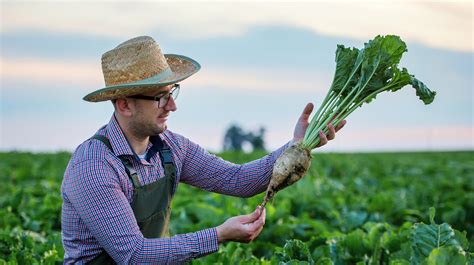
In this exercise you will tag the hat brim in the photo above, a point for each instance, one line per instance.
(181, 67)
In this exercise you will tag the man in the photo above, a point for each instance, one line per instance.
(118, 186)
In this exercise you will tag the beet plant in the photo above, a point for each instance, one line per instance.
(359, 77)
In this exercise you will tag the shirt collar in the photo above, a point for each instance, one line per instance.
(117, 139)
(120, 144)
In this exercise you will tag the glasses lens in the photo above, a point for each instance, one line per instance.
(175, 91)
(164, 99)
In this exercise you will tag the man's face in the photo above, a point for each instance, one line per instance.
(147, 117)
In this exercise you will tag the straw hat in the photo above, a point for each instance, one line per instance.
(137, 66)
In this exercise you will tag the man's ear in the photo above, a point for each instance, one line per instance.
(124, 106)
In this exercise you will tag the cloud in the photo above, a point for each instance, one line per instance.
(86, 75)
(51, 71)
(253, 68)
(437, 24)
(275, 80)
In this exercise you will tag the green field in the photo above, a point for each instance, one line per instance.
(350, 208)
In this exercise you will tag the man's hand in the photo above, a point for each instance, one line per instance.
(302, 125)
(243, 228)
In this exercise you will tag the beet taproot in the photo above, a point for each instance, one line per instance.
(290, 167)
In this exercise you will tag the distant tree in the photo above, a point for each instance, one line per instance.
(235, 137)
(257, 139)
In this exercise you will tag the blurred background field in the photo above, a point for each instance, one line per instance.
(372, 198)
(258, 71)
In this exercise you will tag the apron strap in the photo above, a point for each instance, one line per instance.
(166, 158)
(131, 172)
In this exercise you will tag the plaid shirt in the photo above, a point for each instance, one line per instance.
(97, 193)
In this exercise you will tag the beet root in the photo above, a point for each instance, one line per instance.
(290, 167)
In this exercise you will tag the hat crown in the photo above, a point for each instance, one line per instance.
(133, 60)
(138, 66)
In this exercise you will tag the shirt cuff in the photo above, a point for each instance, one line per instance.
(207, 241)
(277, 153)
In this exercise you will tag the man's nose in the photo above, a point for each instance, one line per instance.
(171, 105)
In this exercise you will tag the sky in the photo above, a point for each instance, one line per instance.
(261, 63)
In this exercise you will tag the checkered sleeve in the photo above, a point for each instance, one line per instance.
(96, 194)
(177, 249)
(212, 173)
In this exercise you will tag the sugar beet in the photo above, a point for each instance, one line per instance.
(289, 168)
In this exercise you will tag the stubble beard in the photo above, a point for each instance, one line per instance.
(144, 129)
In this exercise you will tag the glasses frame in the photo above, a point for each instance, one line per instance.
(174, 92)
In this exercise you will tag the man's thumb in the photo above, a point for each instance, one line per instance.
(249, 218)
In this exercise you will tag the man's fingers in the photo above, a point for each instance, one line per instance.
(254, 226)
(340, 125)
(250, 218)
(332, 132)
(307, 111)
(243, 228)
(322, 139)
(257, 225)
(263, 215)
(257, 233)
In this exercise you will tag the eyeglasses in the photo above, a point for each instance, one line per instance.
(162, 100)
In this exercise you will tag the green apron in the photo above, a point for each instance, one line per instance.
(150, 203)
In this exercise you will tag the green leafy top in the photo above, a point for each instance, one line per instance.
(360, 75)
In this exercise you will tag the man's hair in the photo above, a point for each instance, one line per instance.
(113, 102)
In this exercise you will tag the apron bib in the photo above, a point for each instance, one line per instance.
(150, 203)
